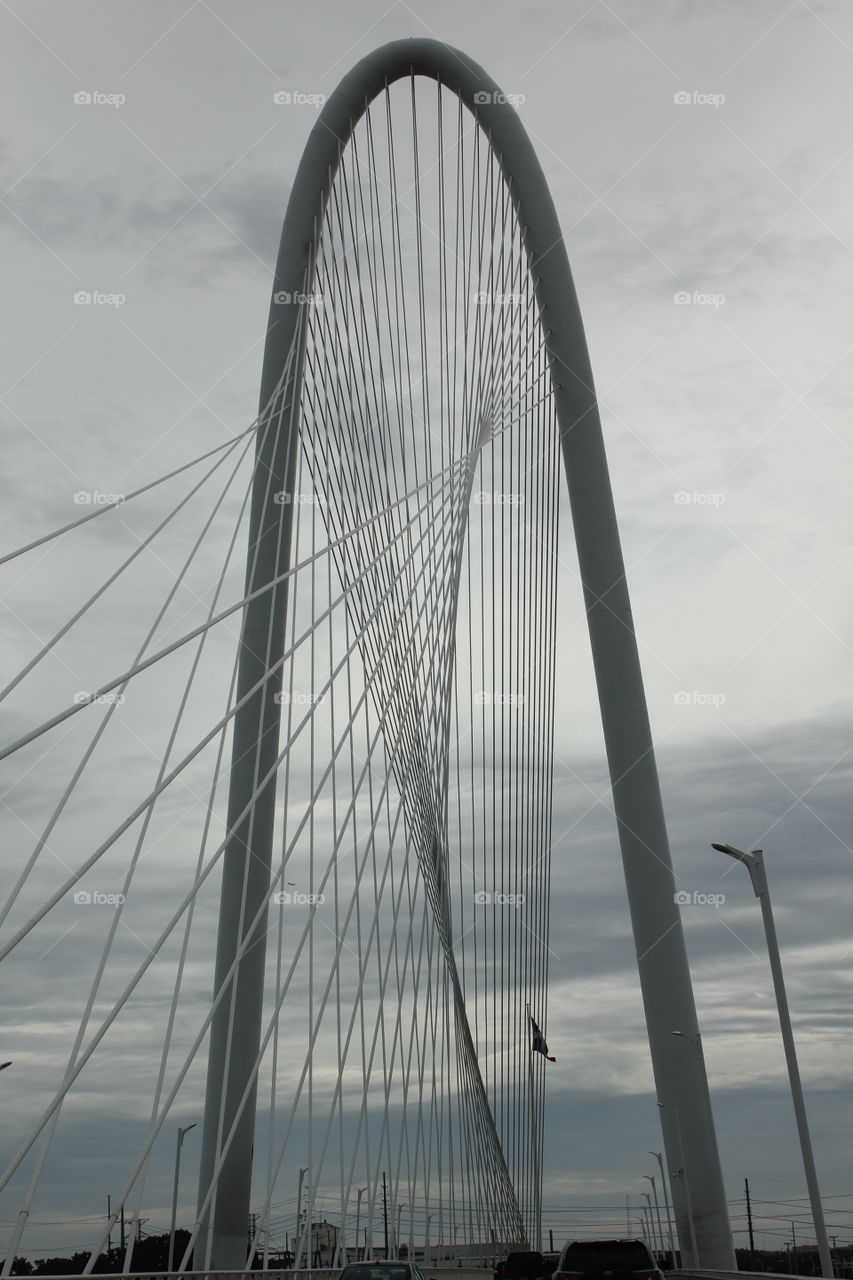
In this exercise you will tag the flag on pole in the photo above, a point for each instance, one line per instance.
(539, 1045)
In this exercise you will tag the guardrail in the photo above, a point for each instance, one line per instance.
(690, 1273)
(456, 1272)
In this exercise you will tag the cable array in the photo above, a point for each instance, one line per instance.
(406, 924)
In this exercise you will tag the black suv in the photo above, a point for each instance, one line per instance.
(521, 1266)
(606, 1260)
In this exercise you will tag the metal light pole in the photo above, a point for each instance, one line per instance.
(648, 1199)
(400, 1208)
(181, 1135)
(429, 1219)
(658, 1155)
(754, 863)
(649, 1178)
(361, 1192)
(300, 1234)
(688, 1203)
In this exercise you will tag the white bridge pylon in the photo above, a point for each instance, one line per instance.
(341, 170)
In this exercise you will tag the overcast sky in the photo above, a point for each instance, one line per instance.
(700, 159)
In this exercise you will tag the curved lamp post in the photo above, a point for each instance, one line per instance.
(754, 863)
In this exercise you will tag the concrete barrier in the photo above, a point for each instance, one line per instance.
(689, 1273)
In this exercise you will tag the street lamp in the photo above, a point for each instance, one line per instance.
(361, 1192)
(181, 1135)
(683, 1173)
(429, 1219)
(647, 1215)
(650, 1179)
(658, 1155)
(648, 1198)
(300, 1231)
(754, 863)
(400, 1208)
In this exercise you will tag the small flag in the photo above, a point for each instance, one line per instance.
(539, 1045)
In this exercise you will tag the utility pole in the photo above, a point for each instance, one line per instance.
(749, 1216)
(300, 1231)
(123, 1240)
(385, 1211)
(109, 1220)
(550, 1240)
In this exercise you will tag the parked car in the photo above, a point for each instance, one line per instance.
(607, 1260)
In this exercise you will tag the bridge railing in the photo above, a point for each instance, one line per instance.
(445, 1272)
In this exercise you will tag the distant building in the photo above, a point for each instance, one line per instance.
(324, 1243)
